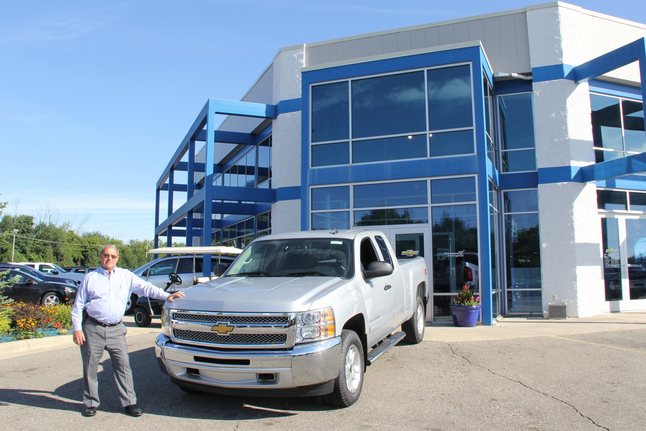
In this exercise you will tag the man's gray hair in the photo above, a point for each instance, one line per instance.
(110, 246)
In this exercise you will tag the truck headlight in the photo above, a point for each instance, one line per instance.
(315, 325)
(165, 320)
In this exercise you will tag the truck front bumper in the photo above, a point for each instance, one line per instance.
(306, 365)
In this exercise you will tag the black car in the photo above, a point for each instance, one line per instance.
(39, 274)
(29, 288)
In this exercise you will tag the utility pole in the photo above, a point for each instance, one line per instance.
(13, 247)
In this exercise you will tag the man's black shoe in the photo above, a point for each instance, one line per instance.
(133, 410)
(90, 411)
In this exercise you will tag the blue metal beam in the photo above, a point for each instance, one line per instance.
(635, 51)
(614, 168)
(229, 137)
(243, 109)
(248, 194)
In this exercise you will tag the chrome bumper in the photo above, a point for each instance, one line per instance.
(304, 365)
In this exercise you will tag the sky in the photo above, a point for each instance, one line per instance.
(96, 96)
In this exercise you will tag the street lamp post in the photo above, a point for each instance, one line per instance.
(13, 247)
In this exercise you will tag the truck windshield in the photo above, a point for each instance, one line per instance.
(323, 257)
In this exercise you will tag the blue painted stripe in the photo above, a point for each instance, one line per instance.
(291, 105)
(398, 170)
(288, 193)
(559, 174)
(521, 180)
(553, 72)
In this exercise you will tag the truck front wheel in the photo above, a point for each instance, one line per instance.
(347, 386)
(415, 327)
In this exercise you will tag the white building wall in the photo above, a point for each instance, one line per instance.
(286, 140)
(570, 230)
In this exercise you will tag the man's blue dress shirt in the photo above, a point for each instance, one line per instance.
(104, 295)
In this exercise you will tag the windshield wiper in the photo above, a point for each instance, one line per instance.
(304, 273)
(254, 274)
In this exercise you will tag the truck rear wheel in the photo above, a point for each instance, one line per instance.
(348, 385)
(415, 327)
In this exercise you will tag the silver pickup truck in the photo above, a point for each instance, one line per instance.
(298, 314)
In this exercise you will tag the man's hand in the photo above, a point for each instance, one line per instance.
(79, 338)
(172, 296)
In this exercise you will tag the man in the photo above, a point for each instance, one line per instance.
(96, 318)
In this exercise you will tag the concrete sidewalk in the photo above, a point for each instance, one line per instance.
(506, 328)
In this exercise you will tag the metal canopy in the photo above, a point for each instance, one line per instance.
(218, 250)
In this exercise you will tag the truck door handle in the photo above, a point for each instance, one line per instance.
(387, 287)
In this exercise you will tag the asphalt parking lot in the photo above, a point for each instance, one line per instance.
(522, 374)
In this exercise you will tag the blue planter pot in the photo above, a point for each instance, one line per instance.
(465, 315)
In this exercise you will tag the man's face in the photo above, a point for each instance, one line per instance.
(109, 258)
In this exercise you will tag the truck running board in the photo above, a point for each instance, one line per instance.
(382, 347)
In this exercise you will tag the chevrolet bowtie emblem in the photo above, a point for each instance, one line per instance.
(223, 328)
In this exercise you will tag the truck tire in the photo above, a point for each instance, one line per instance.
(416, 325)
(348, 385)
(142, 317)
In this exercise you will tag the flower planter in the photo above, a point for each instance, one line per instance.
(465, 315)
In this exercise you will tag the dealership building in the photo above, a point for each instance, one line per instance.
(506, 149)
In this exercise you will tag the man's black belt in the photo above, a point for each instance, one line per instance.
(101, 323)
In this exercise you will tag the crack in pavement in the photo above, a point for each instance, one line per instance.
(527, 387)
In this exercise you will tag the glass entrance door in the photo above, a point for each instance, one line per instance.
(624, 262)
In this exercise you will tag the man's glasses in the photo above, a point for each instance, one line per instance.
(113, 256)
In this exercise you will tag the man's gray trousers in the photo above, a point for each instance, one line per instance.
(113, 339)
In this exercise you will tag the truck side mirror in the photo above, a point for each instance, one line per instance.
(378, 269)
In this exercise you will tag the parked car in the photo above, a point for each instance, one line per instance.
(38, 274)
(29, 288)
(53, 270)
(78, 269)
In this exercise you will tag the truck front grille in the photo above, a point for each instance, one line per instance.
(256, 339)
(233, 330)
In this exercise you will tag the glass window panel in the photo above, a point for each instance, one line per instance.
(524, 302)
(606, 122)
(605, 155)
(331, 220)
(390, 194)
(521, 201)
(330, 154)
(523, 251)
(634, 126)
(264, 161)
(330, 198)
(516, 121)
(391, 216)
(611, 200)
(516, 161)
(636, 245)
(449, 98)
(453, 190)
(611, 259)
(455, 247)
(388, 105)
(637, 201)
(330, 112)
(451, 143)
(251, 168)
(376, 150)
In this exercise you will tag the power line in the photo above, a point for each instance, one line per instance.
(68, 243)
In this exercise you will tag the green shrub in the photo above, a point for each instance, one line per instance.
(61, 316)
(5, 324)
